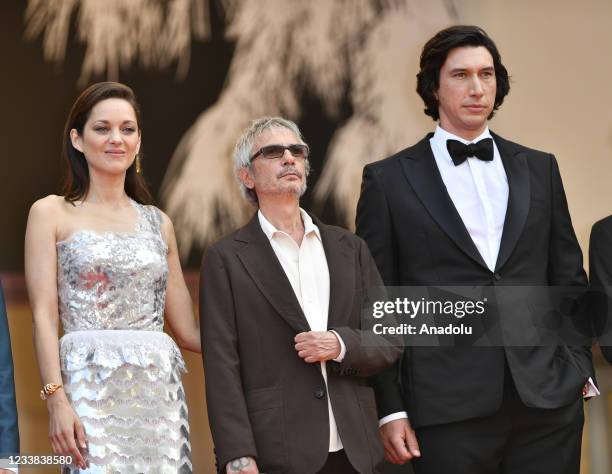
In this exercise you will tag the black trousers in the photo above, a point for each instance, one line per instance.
(337, 463)
(515, 440)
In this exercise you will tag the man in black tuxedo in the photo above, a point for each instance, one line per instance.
(600, 272)
(462, 207)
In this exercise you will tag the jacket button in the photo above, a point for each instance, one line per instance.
(497, 276)
(319, 392)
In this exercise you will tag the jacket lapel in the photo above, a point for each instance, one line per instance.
(422, 172)
(517, 172)
(263, 266)
(341, 265)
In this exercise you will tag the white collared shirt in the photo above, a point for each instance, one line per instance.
(307, 271)
(479, 191)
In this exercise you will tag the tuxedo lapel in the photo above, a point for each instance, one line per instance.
(517, 172)
(263, 266)
(341, 265)
(424, 176)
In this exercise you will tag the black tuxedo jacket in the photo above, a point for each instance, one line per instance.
(263, 400)
(600, 272)
(417, 238)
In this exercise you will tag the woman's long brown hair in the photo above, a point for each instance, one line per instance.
(76, 185)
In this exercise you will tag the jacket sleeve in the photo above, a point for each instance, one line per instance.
(375, 227)
(373, 224)
(600, 272)
(9, 431)
(227, 410)
(565, 258)
(366, 353)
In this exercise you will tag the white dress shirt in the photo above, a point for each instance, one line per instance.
(479, 190)
(307, 271)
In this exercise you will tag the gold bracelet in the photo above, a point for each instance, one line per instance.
(49, 390)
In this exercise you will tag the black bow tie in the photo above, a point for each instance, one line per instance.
(459, 152)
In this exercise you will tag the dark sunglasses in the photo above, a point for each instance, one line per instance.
(271, 152)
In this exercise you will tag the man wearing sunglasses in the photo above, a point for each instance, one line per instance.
(466, 207)
(280, 306)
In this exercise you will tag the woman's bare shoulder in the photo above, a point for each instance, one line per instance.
(50, 207)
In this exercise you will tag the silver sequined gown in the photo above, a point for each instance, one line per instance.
(121, 372)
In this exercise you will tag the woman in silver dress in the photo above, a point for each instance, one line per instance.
(105, 263)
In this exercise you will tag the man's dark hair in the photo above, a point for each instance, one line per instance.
(435, 52)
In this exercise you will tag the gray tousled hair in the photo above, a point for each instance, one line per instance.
(244, 148)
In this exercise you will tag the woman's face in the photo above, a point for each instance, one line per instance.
(111, 138)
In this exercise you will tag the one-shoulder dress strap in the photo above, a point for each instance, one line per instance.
(151, 218)
(154, 216)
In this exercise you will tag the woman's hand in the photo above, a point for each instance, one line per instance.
(66, 432)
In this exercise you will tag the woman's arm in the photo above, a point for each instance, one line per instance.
(179, 307)
(65, 429)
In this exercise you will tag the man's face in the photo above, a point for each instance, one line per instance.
(466, 94)
(281, 176)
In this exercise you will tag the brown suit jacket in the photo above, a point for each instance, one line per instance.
(263, 400)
